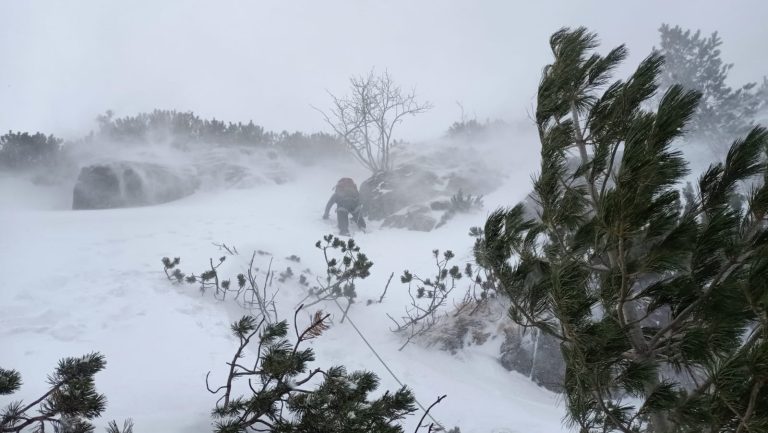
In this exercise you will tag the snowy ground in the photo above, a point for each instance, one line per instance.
(75, 282)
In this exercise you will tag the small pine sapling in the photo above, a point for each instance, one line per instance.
(481, 290)
(208, 279)
(345, 264)
(247, 290)
(428, 296)
(460, 203)
(68, 405)
(278, 395)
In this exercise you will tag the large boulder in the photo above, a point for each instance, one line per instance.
(127, 184)
(418, 218)
(534, 354)
(419, 196)
(385, 194)
(488, 324)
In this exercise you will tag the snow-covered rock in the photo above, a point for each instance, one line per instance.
(385, 194)
(416, 218)
(127, 184)
(534, 354)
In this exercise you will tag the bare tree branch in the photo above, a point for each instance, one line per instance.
(366, 119)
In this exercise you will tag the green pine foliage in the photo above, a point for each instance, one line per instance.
(693, 61)
(10, 381)
(459, 203)
(659, 299)
(470, 130)
(344, 265)
(287, 396)
(182, 128)
(112, 427)
(428, 297)
(21, 150)
(251, 289)
(179, 126)
(69, 404)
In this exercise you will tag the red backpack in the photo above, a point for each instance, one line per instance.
(346, 185)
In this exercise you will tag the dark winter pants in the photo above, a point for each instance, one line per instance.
(342, 216)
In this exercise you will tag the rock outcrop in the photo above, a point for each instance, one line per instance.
(128, 184)
(417, 218)
(385, 194)
(534, 354)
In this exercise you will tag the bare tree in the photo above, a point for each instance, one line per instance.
(366, 118)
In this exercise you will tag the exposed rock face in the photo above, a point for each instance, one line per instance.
(416, 218)
(127, 184)
(97, 187)
(490, 324)
(418, 196)
(385, 194)
(517, 354)
(440, 205)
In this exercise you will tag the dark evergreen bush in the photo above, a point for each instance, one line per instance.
(660, 302)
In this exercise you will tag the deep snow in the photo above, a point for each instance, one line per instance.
(81, 281)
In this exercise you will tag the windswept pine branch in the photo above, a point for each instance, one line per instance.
(653, 299)
(70, 403)
(279, 401)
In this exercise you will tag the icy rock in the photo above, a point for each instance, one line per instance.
(440, 205)
(417, 218)
(384, 194)
(127, 184)
(517, 354)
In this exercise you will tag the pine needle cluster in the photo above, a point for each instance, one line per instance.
(69, 404)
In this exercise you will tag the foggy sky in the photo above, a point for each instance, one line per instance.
(64, 62)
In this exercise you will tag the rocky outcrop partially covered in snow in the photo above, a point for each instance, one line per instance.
(415, 197)
(525, 351)
(385, 194)
(417, 194)
(127, 184)
(534, 354)
(417, 218)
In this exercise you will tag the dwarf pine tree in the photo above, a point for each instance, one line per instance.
(694, 61)
(68, 406)
(285, 396)
(659, 302)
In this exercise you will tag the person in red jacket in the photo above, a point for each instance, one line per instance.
(347, 201)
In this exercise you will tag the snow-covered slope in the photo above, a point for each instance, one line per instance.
(81, 281)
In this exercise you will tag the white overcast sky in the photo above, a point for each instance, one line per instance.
(64, 62)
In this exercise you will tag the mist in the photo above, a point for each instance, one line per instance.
(271, 61)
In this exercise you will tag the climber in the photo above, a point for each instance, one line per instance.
(347, 201)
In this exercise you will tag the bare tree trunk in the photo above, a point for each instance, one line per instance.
(627, 312)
